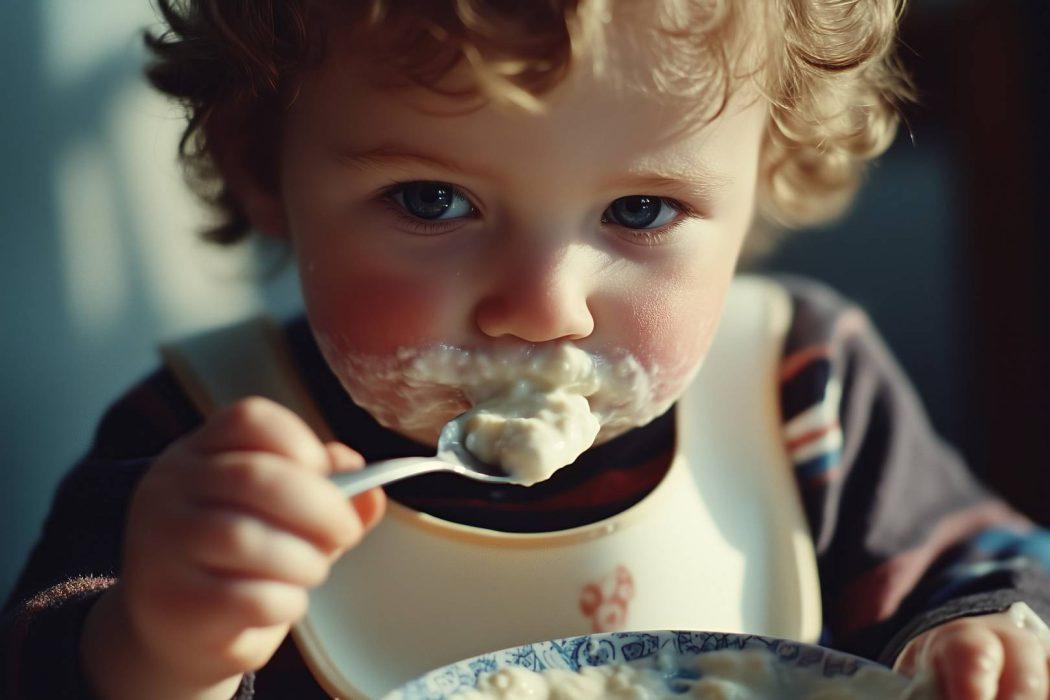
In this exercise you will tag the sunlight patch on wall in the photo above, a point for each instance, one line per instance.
(94, 261)
(191, 284)
(80, 35)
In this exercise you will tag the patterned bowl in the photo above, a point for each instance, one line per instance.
(574, 653)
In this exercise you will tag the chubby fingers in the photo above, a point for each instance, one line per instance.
(342, 458)
(986, 658)
(256, 424)
(279, 491)
(1025, 675)
(231, 545)
(968, 660)
(370, 505)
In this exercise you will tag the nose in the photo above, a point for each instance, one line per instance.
(537, 296)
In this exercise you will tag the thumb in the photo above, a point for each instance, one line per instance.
(370, 505)
(342, 458)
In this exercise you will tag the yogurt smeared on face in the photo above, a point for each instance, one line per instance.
(532, 408)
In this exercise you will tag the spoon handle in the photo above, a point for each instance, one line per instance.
(385, 472)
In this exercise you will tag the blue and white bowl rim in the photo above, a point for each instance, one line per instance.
(572, 653)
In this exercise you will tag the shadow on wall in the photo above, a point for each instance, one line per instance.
(97, 247)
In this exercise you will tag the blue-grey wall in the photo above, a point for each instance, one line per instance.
(97, 249)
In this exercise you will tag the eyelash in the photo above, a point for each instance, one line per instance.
(421, 225)
(645, 237)
(656, 236)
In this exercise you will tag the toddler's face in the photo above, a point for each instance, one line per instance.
(612, 220)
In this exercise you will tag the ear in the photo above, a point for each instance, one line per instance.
(249, 173)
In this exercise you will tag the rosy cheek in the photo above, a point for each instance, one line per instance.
(374, 313)
(686, 335)
(671, 328)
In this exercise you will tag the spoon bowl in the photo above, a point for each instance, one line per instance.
(452, 456)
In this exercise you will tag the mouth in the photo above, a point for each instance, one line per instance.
(417, 390)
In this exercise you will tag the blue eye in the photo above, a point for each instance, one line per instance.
(432, 201)
(641, 212)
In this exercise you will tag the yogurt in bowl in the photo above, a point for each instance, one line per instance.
(666, 664)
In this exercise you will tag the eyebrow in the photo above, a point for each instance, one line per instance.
(696, 182)
(701, 183)
(393, 155)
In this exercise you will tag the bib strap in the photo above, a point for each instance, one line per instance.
(250, 358)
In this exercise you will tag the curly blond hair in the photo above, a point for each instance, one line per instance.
(828, 70)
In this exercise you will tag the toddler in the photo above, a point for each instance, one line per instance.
(499, 176)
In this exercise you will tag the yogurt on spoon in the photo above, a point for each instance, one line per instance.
(535, 426)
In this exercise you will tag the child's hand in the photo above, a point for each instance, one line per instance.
(227, 532)
(985, 657)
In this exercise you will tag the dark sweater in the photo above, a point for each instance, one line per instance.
(906, 539)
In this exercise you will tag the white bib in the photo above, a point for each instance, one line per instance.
(720, 544)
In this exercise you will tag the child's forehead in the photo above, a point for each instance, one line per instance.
(614, 117)
(590, 132)
(346, 100)
(685, 53)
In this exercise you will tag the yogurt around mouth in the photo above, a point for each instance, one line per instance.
(531, 409)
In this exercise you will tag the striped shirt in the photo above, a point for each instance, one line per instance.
(906, 538)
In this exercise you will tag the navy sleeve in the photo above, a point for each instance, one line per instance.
(77, 555)
(906, 537)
